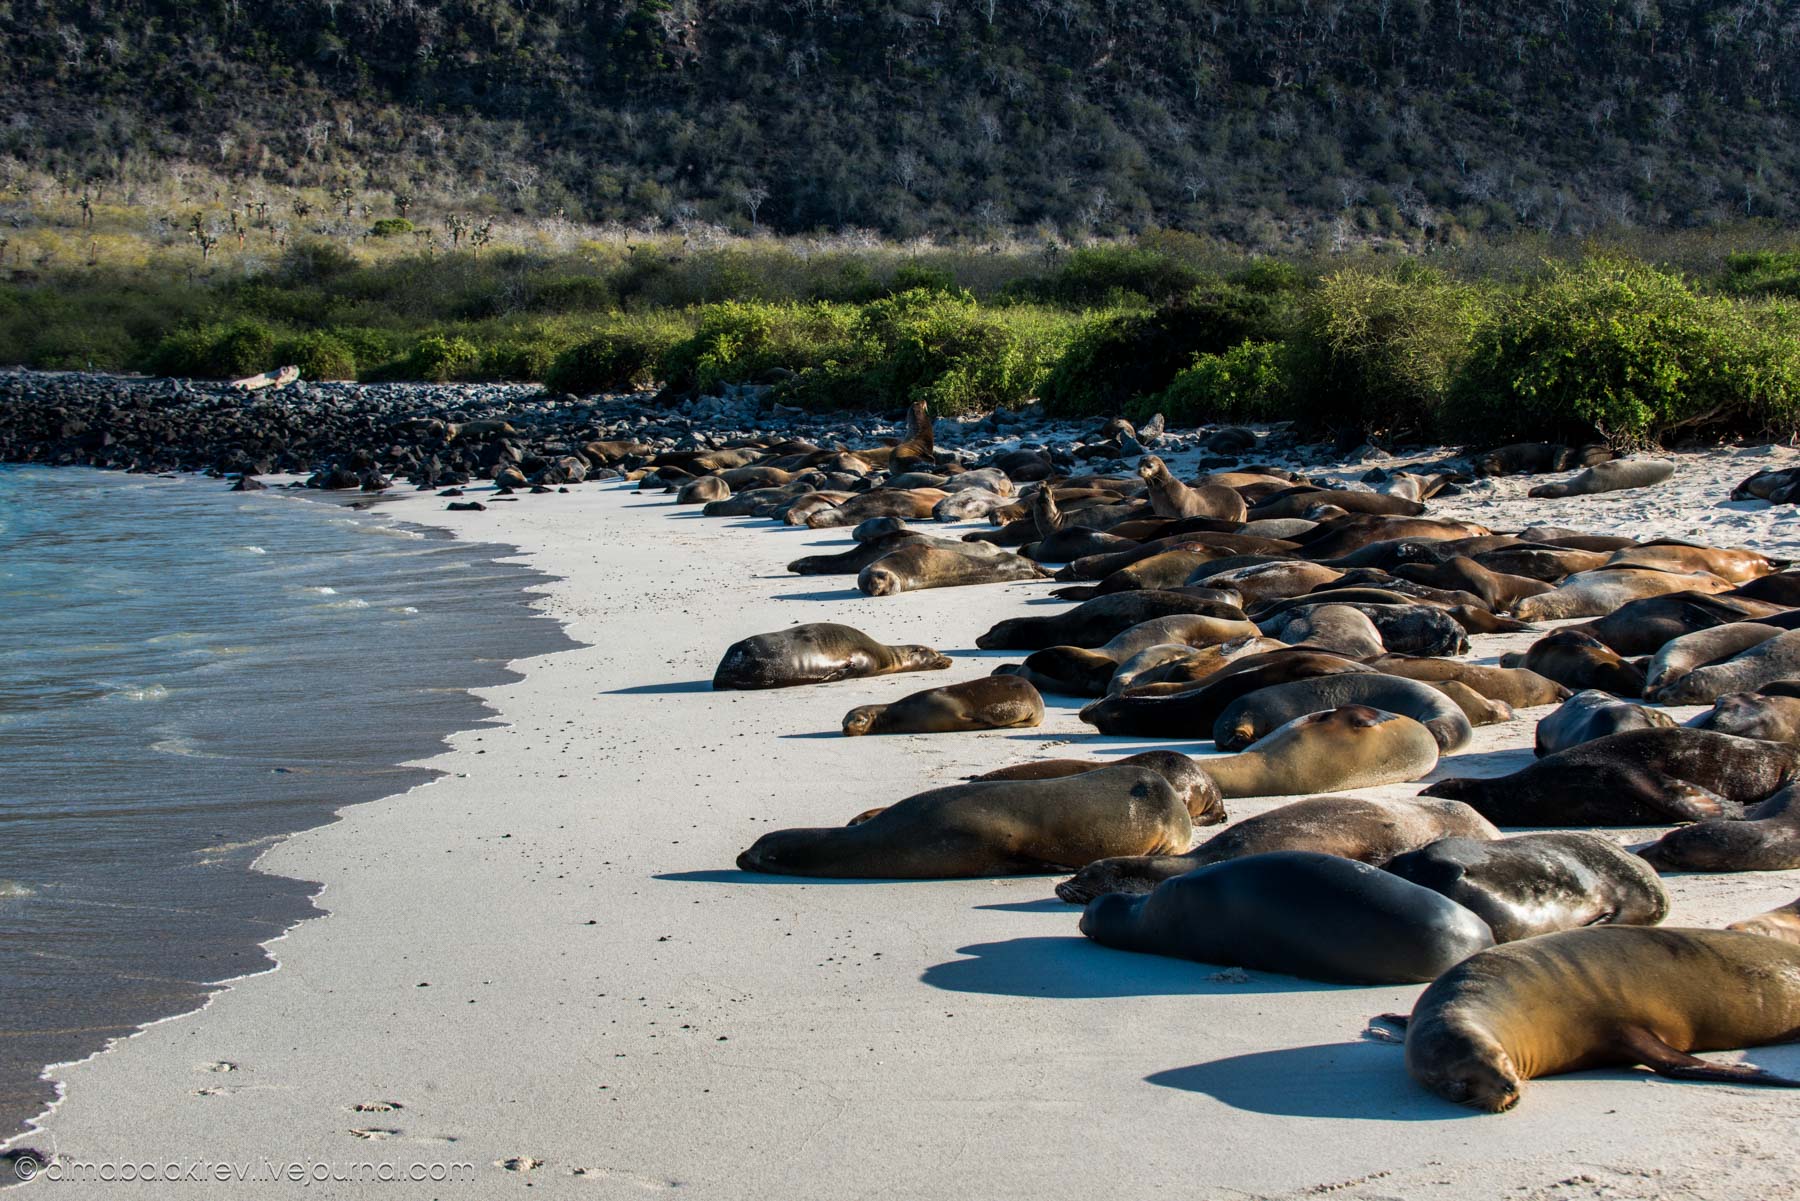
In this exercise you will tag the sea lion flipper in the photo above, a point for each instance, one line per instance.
(1657, 1055)
(1377, 1029)
(1682, 801)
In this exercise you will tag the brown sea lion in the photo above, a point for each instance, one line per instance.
(1782, 923)
(1578, 661)
(1081, 671)
(817, 653)
(1190, 781)
(702, 491)
(912, 504)
(1771, 659)
(1519, 687)
(1461, 573)
(1638, 778)
(1352, 746)
(1544, 563)
(1767, 840)
(1093, 623)
(986, 703)
(1703, 648)
(1254, 715)
(1610, 995)
(1341, 629)
(1591, 714)
(1753, 715)
(1169, 497)
(1192, 713)
(990, 828)
(1264, 582)
(1477, 708)
(1171, 569)
(1738, 565)
(1605, 589)
(921, 565)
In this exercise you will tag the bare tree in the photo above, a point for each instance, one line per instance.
(751, 196)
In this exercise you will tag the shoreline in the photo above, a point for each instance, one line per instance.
(885, 1034)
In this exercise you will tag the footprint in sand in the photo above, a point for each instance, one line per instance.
(376, 1107)
(219, 1066)
(374, 1133)
(215, 1092)
(519, 1163)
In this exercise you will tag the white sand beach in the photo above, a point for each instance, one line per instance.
(545, 964)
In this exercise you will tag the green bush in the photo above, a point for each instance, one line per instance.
(623, 356)
(390, 227)
(315, 262)
(440, 358)
(1249, 382)
(1096, 276)
(1763, 273)
(1632, 353)
(744, 341)
(244, 347)
(319, 356)
(1378, 351)
(918, 276)
(946, 350)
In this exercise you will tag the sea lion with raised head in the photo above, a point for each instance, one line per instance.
(921, 565)
(986, 703)
(1591, 714)
(1256, 714)
(990, 828)
(1766, 840)
(1638, 778)
(1579, 661)
(1169, 497)
(1189, 780)
(1533, 884)
(1610, 995)
(817, 653)
(1352, 746)
(1295, 912)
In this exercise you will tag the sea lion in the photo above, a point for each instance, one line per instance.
(1601, 591)
(1612, 476)
(921, 565)
(1579, 661)
(985, 703)
(1753, 715)
(1644, 627)
(1778, 487)
(1169, 497)
(1619, 995)
(1781, 588)
(1737, 565)
(1093, 622)
(865, 552)
(1782, 923)
(913, 504)
(1171, 569)
(967, 504)
(990, 828)
(1083, 671)
(817, 653)
(1340, 629)
(1547, 564)
(1638, 778)
(1361, 828)
(1767, 840)
(1480, 710)
(1254, 715)
(880, 527)
(1519, 687)
(1220, 545)
(1178, 673)
(1277, 580)
(1533, 884)
(1065, 546)
(1772, 659)
(1535, 458)
(1191, 712)
(1295, 912)
(1460, 573)
(1591, 714)
(1352, 746)
(703, 490)
(1189, 780)
(1703, 648)
(1404, 629)
(1299, 501)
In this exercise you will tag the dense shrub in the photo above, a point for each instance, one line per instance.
(1098, 276)
(1249, 382)
(622, 356)
(1632, 353)
(1378, 351)
(390, 227)
(745, 341)
(319, 356)
(1763, 273)
(244, 347)
(441, 357)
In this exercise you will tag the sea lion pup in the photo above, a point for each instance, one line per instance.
(1080, 671)
(1766, 840)
(1197, 665)
(1579, 661)
(1519, 687)
(1352, 746)
(990, 828)
(1075, 542)
(1045, 509)
(1191, 712)
(986, 703)
(1256, 714)
(1169, 497)
(1534, 884)
(1404, 629)
(1463, 574)
(1613, 476)
(1777, 487)
(966, 504)
(1171, 569)
(1477, 708)
(913, 504)
(1611, 995)
(1296, 912)
(1782, 923)
(1189, 780)
(1361, 828)
(817, 653)
(1737, 565)
(1638, 778)
(1547, 564)
(703, 490)
(1093, 623)
(1703, 648)
(919, 566)
(1599, 592)
(1263, 582)
(1772, 659)
(1753, 715)
(1591, 714)
(1340, 629)
(1644, 627)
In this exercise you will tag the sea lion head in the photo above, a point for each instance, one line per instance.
(879, 581)
(1150, 467)
(860, 719)
(1463, 1063)
(781, 852)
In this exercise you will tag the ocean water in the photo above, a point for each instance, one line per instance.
(186, 675)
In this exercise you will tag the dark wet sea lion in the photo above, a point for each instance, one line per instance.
(1296, 912)
(1067, 545)
(1644, 627)
(1191, 713)
(1171, 569)
(817, 653)
(1703, 648)
(1579, 661)
(1548, 564)
(1782, 588)
(1094, 622)
(1591, 714)
(1349, 747)
(1254, 715)
(1519, 687)
(1190, 781)
(865, 552)
(1497, 591)
(1771, 659)
(1767, 840)
(1297, 502)
(1533, 884)
(986, 703)
(921, 565)
(1607, 996)
(990, 828)
(1754, 715)
(1639, 778)
(1361, 828)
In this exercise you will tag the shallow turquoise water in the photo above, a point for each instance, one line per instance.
(186, 674)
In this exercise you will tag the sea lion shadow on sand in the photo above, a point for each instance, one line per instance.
(820, 594)
(1361, 1080)
(1076, 968)
(1476, 764)
(724, 875)
(661, 689)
